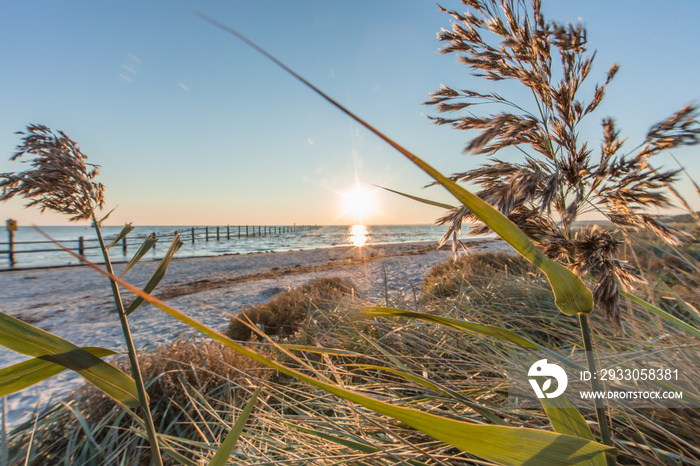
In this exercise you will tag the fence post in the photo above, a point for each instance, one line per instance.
(11, 252)
(11, 228)
(81, 246)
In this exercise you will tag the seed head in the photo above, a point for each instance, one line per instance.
(60, 178)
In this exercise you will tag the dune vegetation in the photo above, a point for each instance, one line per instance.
(317, 376)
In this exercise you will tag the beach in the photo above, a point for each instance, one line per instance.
(75, 303)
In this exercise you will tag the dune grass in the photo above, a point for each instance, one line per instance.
(197, 388)
(283, 314)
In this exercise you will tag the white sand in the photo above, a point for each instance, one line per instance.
(76, 302)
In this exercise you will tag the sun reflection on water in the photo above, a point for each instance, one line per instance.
(358, 235)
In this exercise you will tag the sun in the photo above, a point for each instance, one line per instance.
(358, 202)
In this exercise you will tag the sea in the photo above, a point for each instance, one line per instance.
(32, 249)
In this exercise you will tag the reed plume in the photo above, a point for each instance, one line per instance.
(561, 177)
(60, 178)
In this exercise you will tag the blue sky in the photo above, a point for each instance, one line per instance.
(191, 126)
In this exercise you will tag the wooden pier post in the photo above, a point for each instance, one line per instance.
(217, 233)
(11, 228)
(81, 246)
(192, 235)
(239, 231)
(124, 245)
(207, 233)
(228, 232)
(246, 231)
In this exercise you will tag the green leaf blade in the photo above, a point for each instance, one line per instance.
(146, 246)
(663, 314)
(158, 274)
(27, 373)
(566, 419)
(122, 234)
(495, 332)
(227, 446)
(420, 199)
(23, 338)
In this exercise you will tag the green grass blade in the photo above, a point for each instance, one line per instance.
(570, 293)
(122, 234)
(495, 332)
(158, 274)
(419, 199)
(145, 247)
(663, 314)
(27, 373)
(359, 446)
(566, 419)
(83, 424)
(436, 388)
(505, 445)
(224, 453)
(26, 339)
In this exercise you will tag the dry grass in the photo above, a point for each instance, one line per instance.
(204, 386)
(284, 314)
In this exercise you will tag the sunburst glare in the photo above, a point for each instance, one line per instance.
(359, 202)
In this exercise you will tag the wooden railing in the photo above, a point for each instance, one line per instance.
(192, 234)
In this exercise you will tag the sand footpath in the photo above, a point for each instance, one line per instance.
(76, 303)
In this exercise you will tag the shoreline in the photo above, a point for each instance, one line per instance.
(210, 256)
(317, 238)
(76, 303)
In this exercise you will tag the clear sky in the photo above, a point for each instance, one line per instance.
(191, 126)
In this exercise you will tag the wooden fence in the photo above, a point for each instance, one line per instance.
(193, 235)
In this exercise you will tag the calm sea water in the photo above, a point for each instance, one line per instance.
(318, 237)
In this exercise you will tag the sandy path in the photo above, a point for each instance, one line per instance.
(76, 303)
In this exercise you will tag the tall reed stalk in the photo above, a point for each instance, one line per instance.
(131, 349)
(600, 409)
